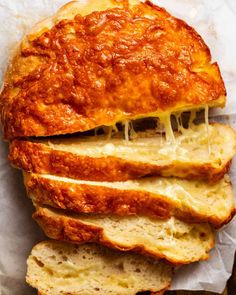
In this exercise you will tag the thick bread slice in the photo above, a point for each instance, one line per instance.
(174, 240)
(99, 62)
(56, 268)
(97, 158)
(194, 201)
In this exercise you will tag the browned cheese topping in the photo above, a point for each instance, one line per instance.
(108, 66)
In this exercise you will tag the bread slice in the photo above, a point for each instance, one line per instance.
(194, 155)
(174, 240)
(156, 197)
(100, 62)
(60, 268)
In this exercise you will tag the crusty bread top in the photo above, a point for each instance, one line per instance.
(85, 67)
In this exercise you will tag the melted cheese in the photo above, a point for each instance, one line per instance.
(110, 128)
(178, 117)
(126, 123)
(166, 121)
(159, 129)
(163, 120)
(193, 115)
(149, 149)
(133, 134)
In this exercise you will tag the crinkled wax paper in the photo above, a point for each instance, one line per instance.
(216, 22)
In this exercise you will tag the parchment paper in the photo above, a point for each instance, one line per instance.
(216, 22)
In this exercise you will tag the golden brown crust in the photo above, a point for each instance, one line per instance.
(85, 198)
(79, 75)
(95, 199)
(65, 228)
(40, 158)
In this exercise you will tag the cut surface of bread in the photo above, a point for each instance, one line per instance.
(195, 153)
(143, 293)
(174, 240)
(61, 268)
(193, 201)
(104, 62)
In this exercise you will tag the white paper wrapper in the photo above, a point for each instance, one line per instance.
(216, 22)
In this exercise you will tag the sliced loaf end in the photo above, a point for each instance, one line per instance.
(61, 268)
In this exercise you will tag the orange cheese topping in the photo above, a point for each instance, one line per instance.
(105, 67)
